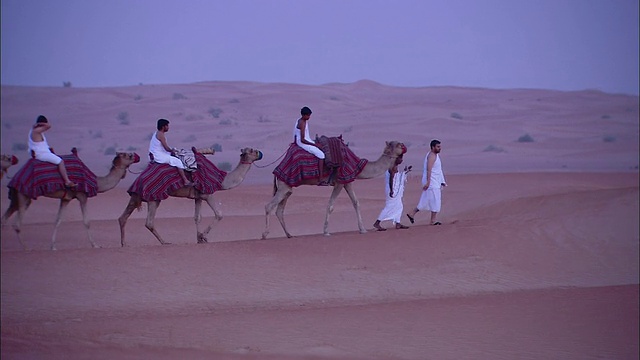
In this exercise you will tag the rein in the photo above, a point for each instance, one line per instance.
(271, 163)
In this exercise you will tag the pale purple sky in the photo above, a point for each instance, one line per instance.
(549, 44)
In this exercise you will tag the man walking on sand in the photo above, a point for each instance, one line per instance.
(432, 183)
(394, 190)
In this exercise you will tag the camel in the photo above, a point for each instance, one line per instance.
(372, 169)
(6, 161)
(20, 202)
(231, 180)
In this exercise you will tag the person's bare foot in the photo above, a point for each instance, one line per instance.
(70, 184)
(400, 226)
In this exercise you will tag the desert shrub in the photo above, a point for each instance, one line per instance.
(455, 115)
(19, 147)
(215, 112)
(132, 148)
(224, 166)
(193, 117)
(226, 122)
(189, 138)
(334, 98)
(525, 138)
(348, 129)
(95, 135)
(123, 118)
(66, 84)
(263, 119)
(234, 101)
(137, 97)
(493, 148)
(605, 117)
(609, 138)
(227, 136)
(178, 96)
(111, 150)
(217, 147)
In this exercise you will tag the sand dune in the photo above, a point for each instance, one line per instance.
(537, 257)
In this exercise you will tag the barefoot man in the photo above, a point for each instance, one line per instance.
(38, 144)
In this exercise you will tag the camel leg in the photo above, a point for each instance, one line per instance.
(337, 188)
(82, 198)
(151, 215)
(63, 206)
(280, 213)
(198, 218)
(18, 204)
(356, 205)
(134, 203)
(217, 217)
(277, 199)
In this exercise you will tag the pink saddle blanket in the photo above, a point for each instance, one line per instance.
(37, 178)
(158, 181)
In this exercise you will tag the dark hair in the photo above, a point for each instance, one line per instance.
(305, 111)
(162, 123)
(434, 143)
(42, 119)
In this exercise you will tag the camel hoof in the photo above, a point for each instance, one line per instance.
(289, 236)
(363, 231)
(327, 234)
(166, 243)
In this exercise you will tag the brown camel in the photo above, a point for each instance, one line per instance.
(282, 191)
(231, 180)
(6, 161)
(20, 202)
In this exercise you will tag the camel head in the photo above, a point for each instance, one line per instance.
(6, 161)
(394, 149)
(123, 160)
(249, 155)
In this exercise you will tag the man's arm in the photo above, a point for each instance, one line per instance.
(163, 141)
(302, 125)
(430, 161)
(392, 174)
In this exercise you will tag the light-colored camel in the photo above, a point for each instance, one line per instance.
(231, 180)
(20, 202)
(282, 191)
(5, 163)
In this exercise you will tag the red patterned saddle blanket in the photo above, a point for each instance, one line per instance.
(299, 165)
(37, 178)
(157, 181)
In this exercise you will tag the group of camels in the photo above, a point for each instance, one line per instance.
(20, 202)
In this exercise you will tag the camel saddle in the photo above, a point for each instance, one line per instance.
(299, 165)
(157, 181)
(37, 178)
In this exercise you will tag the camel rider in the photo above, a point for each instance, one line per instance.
(41, 151)
(162, 153)
(305, 141)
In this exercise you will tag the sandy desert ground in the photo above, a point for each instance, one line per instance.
(537, 257)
